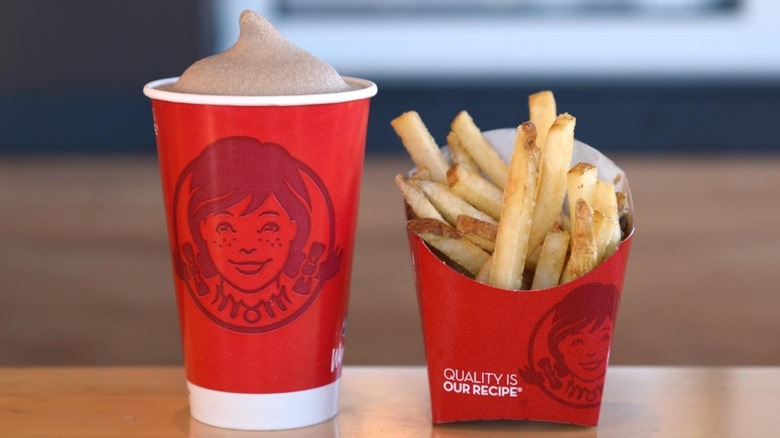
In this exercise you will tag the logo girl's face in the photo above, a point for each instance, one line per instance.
(586, 351)
(249, 249)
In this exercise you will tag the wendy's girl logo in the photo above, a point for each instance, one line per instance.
(254, 232)
(569, 346)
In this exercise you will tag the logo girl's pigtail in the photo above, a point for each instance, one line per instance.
(561, 370)
(180, 266)
(550, 372)
(303, 285)
(332, 263)
(530, 376)
(194, 270)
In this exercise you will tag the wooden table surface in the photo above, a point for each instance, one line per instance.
(387, 402)
(86, 279)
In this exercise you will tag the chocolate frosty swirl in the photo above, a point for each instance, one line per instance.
(261, 63)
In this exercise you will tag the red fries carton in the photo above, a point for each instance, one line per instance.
(524, 355)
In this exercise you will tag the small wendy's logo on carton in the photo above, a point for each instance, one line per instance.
(518, 282)
(569, 346)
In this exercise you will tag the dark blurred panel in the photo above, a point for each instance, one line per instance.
(76, 121)
(631, 116)
(616, 117)
(88, 44)
(72, 71)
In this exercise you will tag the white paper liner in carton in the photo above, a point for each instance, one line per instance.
(539, 355)
(503, 141)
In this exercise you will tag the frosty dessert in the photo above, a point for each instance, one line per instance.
(261, 63)
(261, 153)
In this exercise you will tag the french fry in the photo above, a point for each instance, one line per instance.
(605, 199)
(566, 223)
(416, 199)
(614, 242)
(449, 204)
(602, 232)
(484, 273)
(487, 245)
(459, 154)
(533, 258)
(606, 203)
(581, 183)
(420, 145)
(478, 191)
(551, 259)
(444, 238)
(480, 233)
(556, 159)
(558, 224)
(541, 107)
(517, 211)
(607, 235)
(421, 173)
(623, 208)
(622, 203)
(583, 256)
(467, 224)
(480, 149)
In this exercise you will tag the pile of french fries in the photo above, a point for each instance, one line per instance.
(534, 223)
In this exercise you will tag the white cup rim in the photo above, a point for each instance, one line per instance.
(364, 89)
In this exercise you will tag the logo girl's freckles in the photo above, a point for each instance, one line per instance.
(219, 245)
(249, 248)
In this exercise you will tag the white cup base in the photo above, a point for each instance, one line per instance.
(287, 410)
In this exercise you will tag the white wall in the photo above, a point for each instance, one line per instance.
(745, 45)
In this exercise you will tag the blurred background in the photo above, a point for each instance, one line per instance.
(656, 75)
(684, 94)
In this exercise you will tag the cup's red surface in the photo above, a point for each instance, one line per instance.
(500, 354)
(261, 205)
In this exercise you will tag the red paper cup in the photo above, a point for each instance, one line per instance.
(261, 199)
(532, 355)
